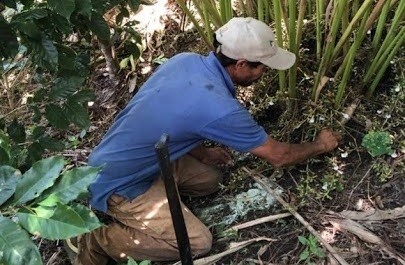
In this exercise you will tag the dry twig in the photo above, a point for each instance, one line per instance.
(258, 178)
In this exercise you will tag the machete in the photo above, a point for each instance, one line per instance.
(162, 151)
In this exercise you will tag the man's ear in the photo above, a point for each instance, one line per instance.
(241, 63)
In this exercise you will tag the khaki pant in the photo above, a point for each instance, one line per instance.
(145, 228)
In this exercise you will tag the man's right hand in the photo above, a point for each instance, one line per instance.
(328, 139)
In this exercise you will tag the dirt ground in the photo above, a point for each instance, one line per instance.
(348, 179)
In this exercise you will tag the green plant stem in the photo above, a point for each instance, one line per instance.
(330, 41)
(320, 8)
(399, 41)
(292, 40)
(381, 23)
(260, 10)
(383, 51)
(183, 6)
(348, 65)
(279, 34)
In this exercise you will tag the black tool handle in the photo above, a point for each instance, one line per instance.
(162, 151)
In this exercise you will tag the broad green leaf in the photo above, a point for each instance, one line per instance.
(56, 116)
(4, 148)
(131, 261)
(51, 144)
(84, 7)
(303, 240)
(60, 222)
(48, 53)
(304, 255)
(145, 262)
(35, 151)
(77, 114)
(32, 14)
(82, 96)
(62, 24)
(99, 27)
(16, 131)
(8, 182)
(71, 184)
(66, 86)
(64, 8)
(38, 178)
(8, 40)
(38, 132)
(16, 246)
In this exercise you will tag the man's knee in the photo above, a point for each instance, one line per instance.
(201, 245)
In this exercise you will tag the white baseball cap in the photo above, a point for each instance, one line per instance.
(252, 40)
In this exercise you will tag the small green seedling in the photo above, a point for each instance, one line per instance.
(312, 249)
(377, 143)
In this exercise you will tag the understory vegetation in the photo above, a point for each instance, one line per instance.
(68, 67)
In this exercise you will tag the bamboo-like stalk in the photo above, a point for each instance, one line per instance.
(183, 6)
(222, 8)
(375, 13)
(355, 7)
(300, 23)
(383, 51)
(348, 66)
(330, 41)
(345, 24)
(207, 23)
(292, 76)
(320, 8)
(279, 34)
(260, 10)
(366, 4)
(381, 23)
(228, 10)
(398, 41)
(213, 11)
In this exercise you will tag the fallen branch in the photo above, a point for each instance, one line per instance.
(232, 248)
(349, 111)
(365, 235)
(296, 215)
(259, 221)
(375, 214)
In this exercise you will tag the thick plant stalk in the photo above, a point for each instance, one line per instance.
(348, 66)
(111, 62)
(398, 41)
(279, 34)
(383, 51)
(292, 32)
(381, 23)
(207, 23)
(260, 10)
(183, 6)
(330, 41)
(320, 8)
(212, 11)
(375, 13)
(366, 4)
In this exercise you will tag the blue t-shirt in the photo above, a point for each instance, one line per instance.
(191, 98)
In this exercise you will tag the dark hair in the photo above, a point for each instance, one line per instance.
(225, 60)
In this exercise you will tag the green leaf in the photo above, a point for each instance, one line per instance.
(4, 148)
(84, 8)
(77, 114)
(48, 53)
(66, 86)
(35, 151)
(82, 96)
(377, 143)
(64, 8)
(16, 246)
(60, 222)
(303, 240)
(145, 262)
(8, 182)
(38, 178)
(8, 41)
(131, 261)
(99, 27)
(304, 255)
(51, 144)
(71, 185)
(62, 24)
(38, 132)
(32, 14)
(16, 131)
(56, 116)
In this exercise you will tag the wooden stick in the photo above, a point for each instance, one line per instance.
(265, 219)
(257, 177)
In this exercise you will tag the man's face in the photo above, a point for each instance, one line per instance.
(245, 74)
